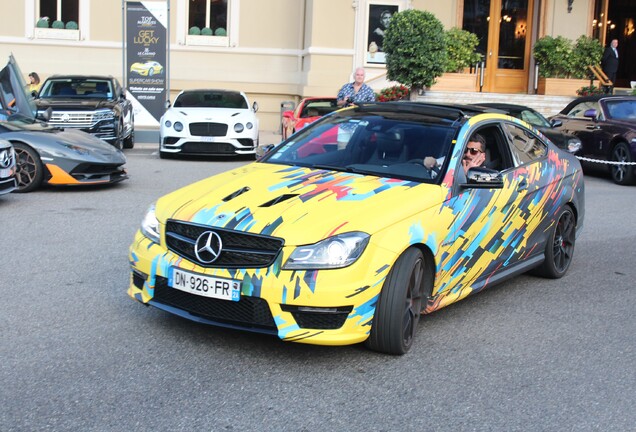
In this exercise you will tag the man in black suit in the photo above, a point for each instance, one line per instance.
(609, 62)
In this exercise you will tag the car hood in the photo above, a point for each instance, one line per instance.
(220, 115)
(301, 205)
(74, 104)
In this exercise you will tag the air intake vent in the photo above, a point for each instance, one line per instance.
(279, 199)
(235, 194)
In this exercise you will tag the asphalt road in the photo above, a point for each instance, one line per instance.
(76, 354)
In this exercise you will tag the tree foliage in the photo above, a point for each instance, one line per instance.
(554, 55)
(587, 51)
(415, 49)
(461, 46)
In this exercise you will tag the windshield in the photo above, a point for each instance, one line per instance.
(76, 88)
(13, 96)
(210, 99)
(534, 118)
(387, 144)
(622, 109)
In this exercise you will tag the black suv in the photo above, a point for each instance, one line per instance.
(95, 104)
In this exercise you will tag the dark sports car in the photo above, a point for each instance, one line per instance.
(606, 126)
(45, 154)
(547, 127)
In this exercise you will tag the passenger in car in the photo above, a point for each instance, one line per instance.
(475, 152)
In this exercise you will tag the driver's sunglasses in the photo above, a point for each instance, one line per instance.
(473, 151)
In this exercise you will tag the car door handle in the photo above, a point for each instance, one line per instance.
(592, 127)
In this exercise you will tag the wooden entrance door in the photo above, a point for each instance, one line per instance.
(504, 29)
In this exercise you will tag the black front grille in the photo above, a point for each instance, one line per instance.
(240, 250)
(208, 148)
(249, 312)
(208, 129)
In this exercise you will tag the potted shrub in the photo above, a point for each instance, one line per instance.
(461, 54)
(415, 49)
(555, 57)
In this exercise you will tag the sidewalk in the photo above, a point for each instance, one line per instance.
(149, 138)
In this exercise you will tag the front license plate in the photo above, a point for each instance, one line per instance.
(207, 139)
(205, 286)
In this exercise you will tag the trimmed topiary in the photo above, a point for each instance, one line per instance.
(194, 30)
(220, 32)
(207, 31)
(461, 49)
(43, 23)
(71, 25)
(57, 24)
(415, 49)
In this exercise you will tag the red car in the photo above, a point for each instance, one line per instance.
(308, 111)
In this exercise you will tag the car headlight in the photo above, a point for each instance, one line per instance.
(178, 126)
(334, 252)
(167, 123)
(574, 145)
(150, 225)
(238, 128)
(249, 125)
(104, 114)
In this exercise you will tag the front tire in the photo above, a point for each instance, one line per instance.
(129, 142)
(30, 170)
(622, 174)
(400, 304)
(559, 248)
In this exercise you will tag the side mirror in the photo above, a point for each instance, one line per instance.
(263, 150)
(591, 113)
(44, 115)
(556, 123)
(479, 177)
(288, 114)
(167, 104)
(255, 106)
(34, 94)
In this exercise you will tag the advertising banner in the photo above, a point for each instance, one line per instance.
(146, 59)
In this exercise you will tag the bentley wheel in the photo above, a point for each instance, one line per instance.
(29, 168)
(559, 246)
(622, 173)
(400, 304)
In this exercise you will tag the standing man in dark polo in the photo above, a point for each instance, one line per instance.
(609, 62)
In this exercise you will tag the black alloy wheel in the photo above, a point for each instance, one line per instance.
(559, 248)
(622, 172)
(29, 168)
(400, 304)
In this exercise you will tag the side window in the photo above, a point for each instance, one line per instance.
(578, 111)
(496, 155)
(525, 146)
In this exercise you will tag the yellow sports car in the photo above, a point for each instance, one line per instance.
(351, 229)
(147, 68)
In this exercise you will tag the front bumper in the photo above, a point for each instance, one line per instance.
(325, 307)
(217, 146)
